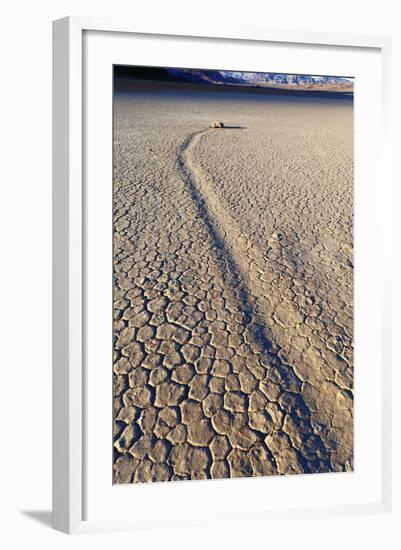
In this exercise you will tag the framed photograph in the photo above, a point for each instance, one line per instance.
(220, 334)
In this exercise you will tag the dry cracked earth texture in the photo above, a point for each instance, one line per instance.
(233, 286)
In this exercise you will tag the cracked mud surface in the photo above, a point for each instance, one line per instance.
(233, 318)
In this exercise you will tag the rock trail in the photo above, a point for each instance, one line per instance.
(240, 255)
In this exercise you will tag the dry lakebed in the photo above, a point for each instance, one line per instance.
(233, 285)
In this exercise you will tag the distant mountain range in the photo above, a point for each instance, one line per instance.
(127, 77)
(264, 80)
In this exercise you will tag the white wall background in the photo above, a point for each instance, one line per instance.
(25, 121)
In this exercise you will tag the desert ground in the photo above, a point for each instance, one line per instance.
(233, 285)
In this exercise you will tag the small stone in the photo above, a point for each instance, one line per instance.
(120, 304)
(190, 300)
(217, 124)
(276, 236)
(134, 294)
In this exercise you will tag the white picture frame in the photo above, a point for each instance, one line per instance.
(69, 258)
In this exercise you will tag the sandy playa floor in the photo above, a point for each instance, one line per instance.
(233, 286)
